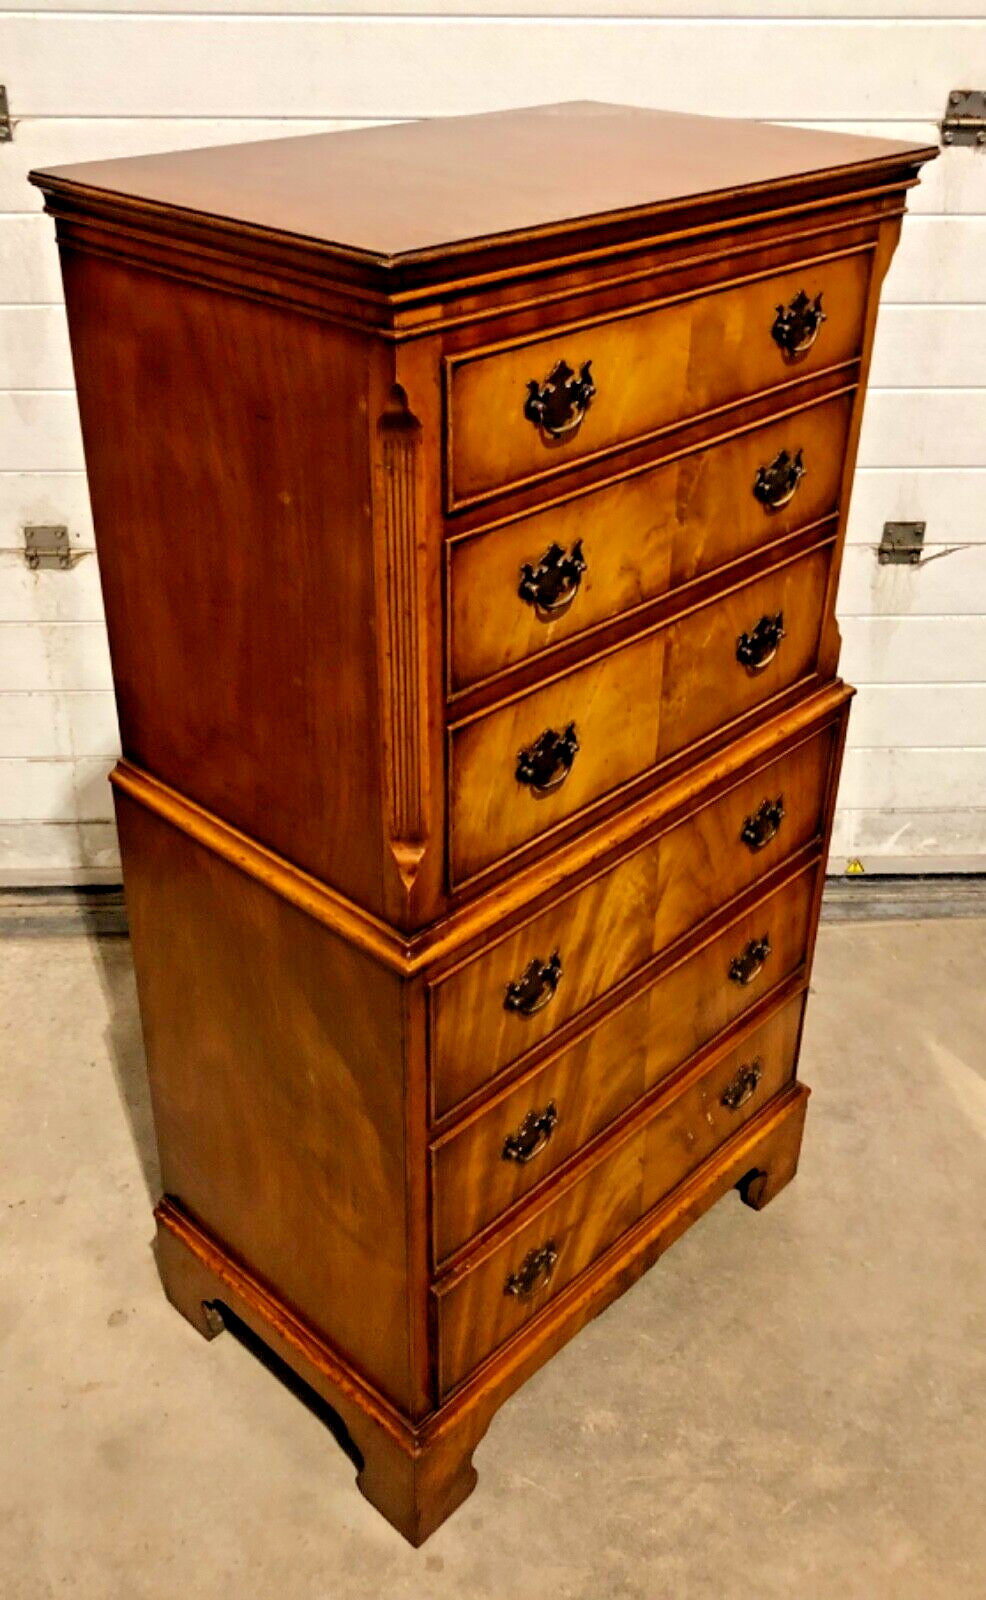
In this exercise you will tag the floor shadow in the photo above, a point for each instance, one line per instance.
(298, 1387)
(125, 1048)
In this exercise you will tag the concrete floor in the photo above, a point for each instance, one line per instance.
(788, 1404)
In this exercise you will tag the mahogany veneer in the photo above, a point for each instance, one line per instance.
(469, 524)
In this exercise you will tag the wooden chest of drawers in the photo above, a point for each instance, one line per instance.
(469, 499)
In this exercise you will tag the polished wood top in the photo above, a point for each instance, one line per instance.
(413, 188)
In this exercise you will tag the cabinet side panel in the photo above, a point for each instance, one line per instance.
(226, 445)
(276, 1063)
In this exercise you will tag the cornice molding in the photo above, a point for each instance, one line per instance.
(400, 296)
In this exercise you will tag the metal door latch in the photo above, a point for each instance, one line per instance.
(901, 544)
(964, 121)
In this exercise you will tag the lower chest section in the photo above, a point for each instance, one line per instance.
(593, 1213)
(587, 1060)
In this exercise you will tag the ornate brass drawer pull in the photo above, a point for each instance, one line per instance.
(776, 486)
(764, 824)
(748, 965)
(740, 1089)
(535, 988)
(756, 650)
(552, 585)
(797, 326)
(558, 405)
(534, 1272)
(532, 1135)
(546, 763)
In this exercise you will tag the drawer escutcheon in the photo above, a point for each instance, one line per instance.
(544, 765)
(551, 586)
(797, 326)
(764, 824)
(749, 964)
(534, 1272)
(532, 1135)
(557, 406)
(757, 649)
(536, 986)
(743, 1086)
(776, 485)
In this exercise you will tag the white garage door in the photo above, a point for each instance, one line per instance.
(88, 80)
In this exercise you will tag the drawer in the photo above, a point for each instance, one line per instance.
(608, 709)
(540, 758)
(479, 1311)
(697, 998)
(696, 1122)
(486, 1304)
(549, 576)
(519, 990)
(496, 1156)
(706, 685)
(535, 407)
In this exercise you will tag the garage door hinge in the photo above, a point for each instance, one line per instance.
(47, 546)
(964, 121)
(901, 544)
(6, 126)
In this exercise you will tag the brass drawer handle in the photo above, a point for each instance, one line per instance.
(551, 586)
(534, 1272)
(535, 988)
(749, 964)
(740, 1089)
(797, 326)
(545, 764)
(764, 824)
(532, 1135)
(558, 405)
(756, 650)
(776, 485)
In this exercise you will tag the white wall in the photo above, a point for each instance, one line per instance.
(86, 82)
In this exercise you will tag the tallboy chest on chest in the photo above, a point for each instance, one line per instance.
(469, 522)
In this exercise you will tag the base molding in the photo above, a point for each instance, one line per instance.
(417, 1473)
(891, 891)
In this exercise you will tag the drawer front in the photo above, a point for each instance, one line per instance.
(598, 727)
(493, 1300)
(479, 1311)
(611, 705)
(504, 1150)
(583, 945)
(698, 1121)
(497, 1155)
(700, 996)
(544, 578)
(531, 409)
(706, 684)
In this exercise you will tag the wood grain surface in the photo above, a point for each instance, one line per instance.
(704, 683)
(476, 1314)
(650, 370)
(228, 556)
(640, 537)
(614, 705)
(695, 1122)
(477, 1311)
(423, 185)
(630, 709)
(614, 925)
(297, 398)
(274, 1054)
(606, 1070)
